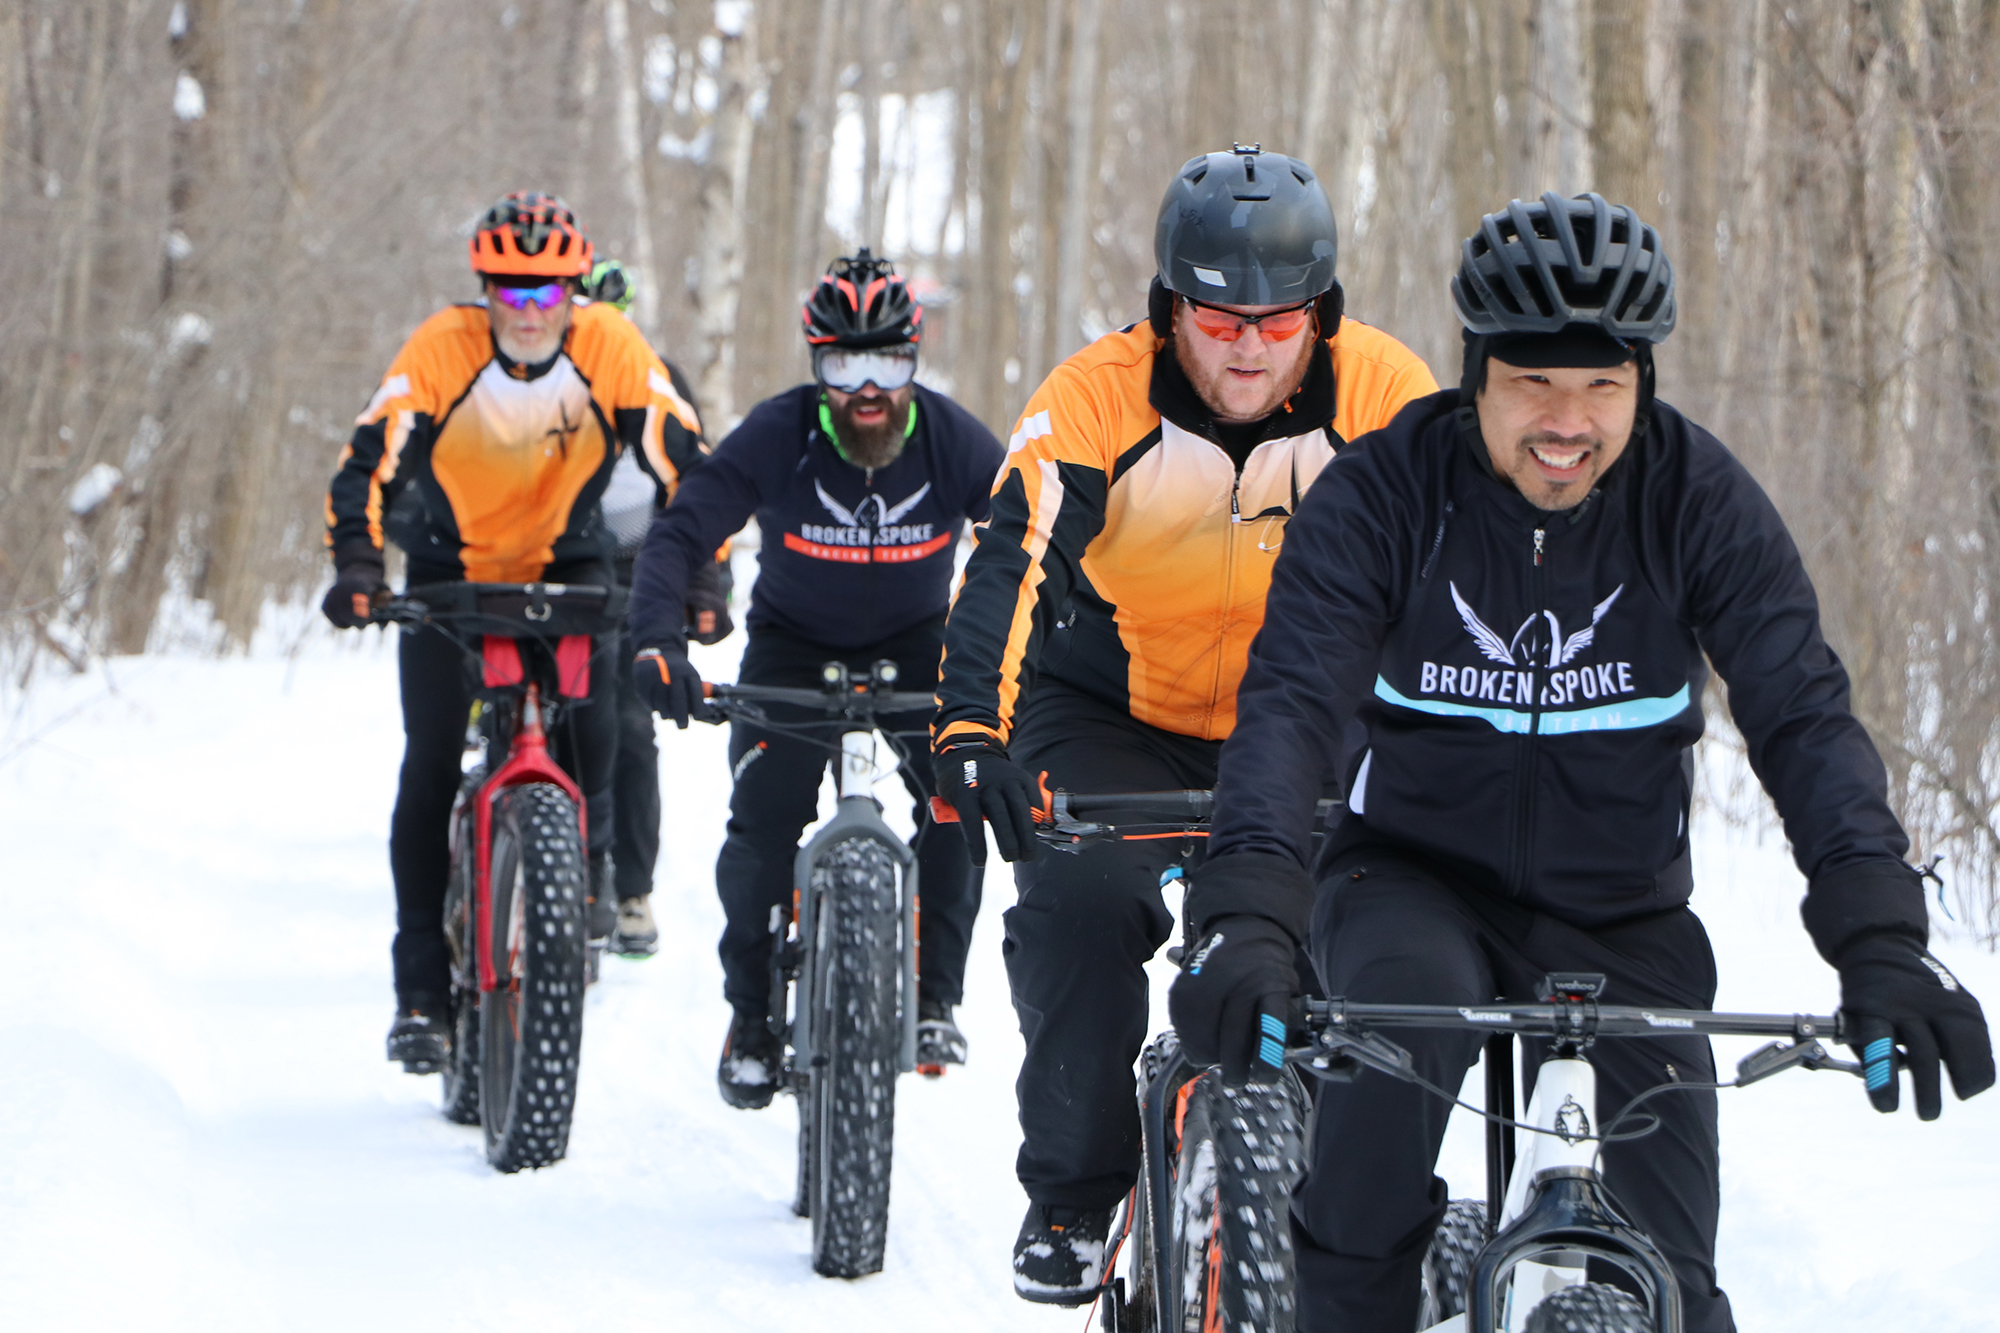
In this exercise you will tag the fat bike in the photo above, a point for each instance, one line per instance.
(515, 896)
(844, 971)
(1205, 1235)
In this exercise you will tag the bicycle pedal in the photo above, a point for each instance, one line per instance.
(423, 1067)
(931, 1071)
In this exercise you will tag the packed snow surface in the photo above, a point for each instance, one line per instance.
(198, 1129)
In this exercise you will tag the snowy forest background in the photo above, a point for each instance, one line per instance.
(223, 216)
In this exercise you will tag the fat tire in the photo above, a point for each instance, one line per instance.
(531, 1024)
(1589, 1307)
(851, 1093)
(1449, 1261)
(1242, 1151)
(461, 1067)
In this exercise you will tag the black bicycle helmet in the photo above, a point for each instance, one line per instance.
(1541, 267)
(862, 303)
(1245, 227)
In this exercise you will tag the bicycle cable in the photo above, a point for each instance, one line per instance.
(1652, 1122)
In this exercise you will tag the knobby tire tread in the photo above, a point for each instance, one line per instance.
(461, 1070)
(1448, 1263)
(1589, 1307)
(528, 1086)
(856, 1039)
(1242, 1152)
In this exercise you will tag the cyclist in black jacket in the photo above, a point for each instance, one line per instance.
(861, 484)
(1490, 620)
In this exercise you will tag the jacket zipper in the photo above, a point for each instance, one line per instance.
(1228, 587)
(1529, 752)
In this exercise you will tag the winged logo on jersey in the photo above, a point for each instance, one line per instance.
(1520, 651)
(886, 513)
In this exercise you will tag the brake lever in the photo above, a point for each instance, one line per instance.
(1336, 1055)
(1776, 1057)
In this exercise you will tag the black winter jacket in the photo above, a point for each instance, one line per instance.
(850, 557)
(1514, 693)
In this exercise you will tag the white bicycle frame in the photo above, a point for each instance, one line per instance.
(1564, 1105)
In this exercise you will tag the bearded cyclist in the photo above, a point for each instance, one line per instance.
(630, 501)
(861, 483)
(1103, 622)
(1518, 797)
(505, 418)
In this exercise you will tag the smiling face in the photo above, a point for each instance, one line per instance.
(1249, 377)
(1553, 432)
(870, 424)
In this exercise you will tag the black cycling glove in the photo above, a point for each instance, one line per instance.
(1229, 1004)
(708, 618)
(668, 683)
(981, 783)
(357, 578)
(1897, 996)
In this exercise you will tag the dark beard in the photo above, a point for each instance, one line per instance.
(868, 446)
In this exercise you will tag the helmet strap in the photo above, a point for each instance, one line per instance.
(1160, 309)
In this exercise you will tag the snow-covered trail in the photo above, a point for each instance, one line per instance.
(199, 1131)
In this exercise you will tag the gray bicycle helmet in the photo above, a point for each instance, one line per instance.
(1245, 227)
(1541, 267)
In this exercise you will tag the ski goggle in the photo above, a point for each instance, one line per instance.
(1227, 326)
(545, 297)
(848, 369)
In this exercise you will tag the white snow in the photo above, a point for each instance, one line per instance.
(200, 1131)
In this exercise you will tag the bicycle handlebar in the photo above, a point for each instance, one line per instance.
(533, 609)
(855, 700)
(1571, 1018)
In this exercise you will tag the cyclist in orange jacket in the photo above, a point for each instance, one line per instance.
(1105, 619)
(505, 416)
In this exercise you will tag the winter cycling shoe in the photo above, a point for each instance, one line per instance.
(752, 1062)
(635, 935)
(1059, 1255)
(421, 1035)
(939, 1042)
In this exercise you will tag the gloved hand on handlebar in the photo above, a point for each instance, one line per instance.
(357, 578)
(977, 779)
(1250, 912)
(1896, 995)
(668, 683)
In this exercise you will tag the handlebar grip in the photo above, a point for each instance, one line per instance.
(943, 811)
(708, 689)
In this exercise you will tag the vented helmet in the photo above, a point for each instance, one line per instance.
(1540, 267)
(530, 234)
(862, 303)
(609, 284)
(1246, 227)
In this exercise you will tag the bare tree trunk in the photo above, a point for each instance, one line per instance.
(1080, 170)
(632, 157)
(1459, 43)
(1621, 120)
(725, 183)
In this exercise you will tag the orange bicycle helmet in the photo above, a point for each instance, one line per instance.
(531, 234)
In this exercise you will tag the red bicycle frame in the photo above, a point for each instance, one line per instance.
(528, 760)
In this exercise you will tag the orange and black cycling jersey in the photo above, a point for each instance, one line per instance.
(508, 461)
(1131, 539)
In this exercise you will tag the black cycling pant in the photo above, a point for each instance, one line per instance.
(635, 809)
(777, 780)
(1077, 943)
(1387, 929)
(437, 678)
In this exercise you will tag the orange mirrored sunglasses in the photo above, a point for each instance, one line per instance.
(1227, 326)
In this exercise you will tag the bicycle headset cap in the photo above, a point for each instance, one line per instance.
(1245, 228)
(861, 303)
(529, 234)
